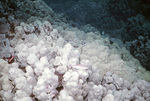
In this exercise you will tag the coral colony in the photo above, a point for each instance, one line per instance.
(46, 67)
(49, 60)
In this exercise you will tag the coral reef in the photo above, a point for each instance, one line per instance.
(48, 67)
(44, 57)
(124, 19)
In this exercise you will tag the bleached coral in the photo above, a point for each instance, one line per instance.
(4, 46)
(48, 67)
(64, 96)
(95, 92)
(101, 56)
(45, 88)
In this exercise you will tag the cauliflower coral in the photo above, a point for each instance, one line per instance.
(48, 67)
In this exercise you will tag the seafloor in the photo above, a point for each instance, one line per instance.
(84, 52)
